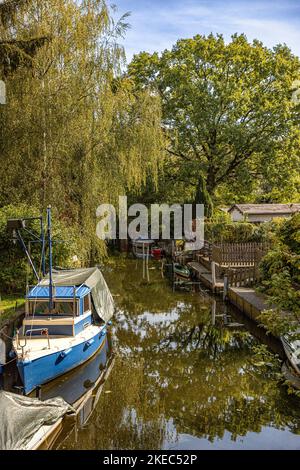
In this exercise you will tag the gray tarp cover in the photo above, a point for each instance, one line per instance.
(92, 278)
(21, 417)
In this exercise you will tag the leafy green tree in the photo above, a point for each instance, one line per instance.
(84, 135)
(15, 51)
(280, 270)
(224, 105)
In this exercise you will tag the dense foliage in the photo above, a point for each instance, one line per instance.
(227, 114)
(15, 272)
(74, 133)
(14, 51)
(281, 277)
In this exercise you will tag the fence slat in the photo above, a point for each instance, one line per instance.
(238, 254)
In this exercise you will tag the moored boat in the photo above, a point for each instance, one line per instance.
(291, 348)
(181, 271)
(65, 323)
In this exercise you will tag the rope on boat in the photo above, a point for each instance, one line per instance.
(4, 334)
(11, 360)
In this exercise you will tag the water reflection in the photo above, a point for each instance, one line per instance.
(74, 385)
(186, 376)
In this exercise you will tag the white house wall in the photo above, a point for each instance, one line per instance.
(236, 216)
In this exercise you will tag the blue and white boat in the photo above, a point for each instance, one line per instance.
(65, 324)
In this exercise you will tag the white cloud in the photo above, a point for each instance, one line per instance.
(157, 27)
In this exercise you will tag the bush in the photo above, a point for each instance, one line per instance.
(14, 267)
(290, 233)
(229, 232)
(280, 268)
(279, 260)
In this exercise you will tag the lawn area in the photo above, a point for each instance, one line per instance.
(8, 304)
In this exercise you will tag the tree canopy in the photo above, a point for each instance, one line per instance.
(15, 52)
(227, 108)
(74, 133)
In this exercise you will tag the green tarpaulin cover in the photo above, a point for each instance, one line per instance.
(22, 417)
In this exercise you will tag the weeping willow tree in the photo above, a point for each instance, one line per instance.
(74, 133)
(15, 52)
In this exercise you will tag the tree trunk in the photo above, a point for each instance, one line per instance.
(202, 196)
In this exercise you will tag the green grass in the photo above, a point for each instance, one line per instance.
(8, 305)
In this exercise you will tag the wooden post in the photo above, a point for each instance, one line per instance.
(147, 263)
(213, 312)
(162, 268)
(213, 275)
(173, 277)
(172, 248)
(225, 291)
(143, 261)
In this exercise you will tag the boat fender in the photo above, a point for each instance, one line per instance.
(12, 354)
(90, 342)
(103, 332)
(65, 352)
(109, 323)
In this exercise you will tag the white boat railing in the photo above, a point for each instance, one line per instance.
(43, 332)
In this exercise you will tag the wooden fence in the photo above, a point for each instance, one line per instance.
(238, 254)
(205, 251)
(242, 277)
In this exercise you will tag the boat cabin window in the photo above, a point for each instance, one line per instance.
(38, 307)
(65, 308)
(87, 303)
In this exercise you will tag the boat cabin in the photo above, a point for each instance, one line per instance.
(71, 312)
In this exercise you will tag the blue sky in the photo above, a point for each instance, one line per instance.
(157, 24)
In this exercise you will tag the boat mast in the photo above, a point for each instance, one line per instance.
(43, 248)
(50, 258)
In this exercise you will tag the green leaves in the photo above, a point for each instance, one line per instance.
(223, 104)
(74, 132)
(281, 278)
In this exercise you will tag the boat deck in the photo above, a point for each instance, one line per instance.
(36, 347)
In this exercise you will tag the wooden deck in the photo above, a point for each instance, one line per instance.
(250, 302)
(205, 276)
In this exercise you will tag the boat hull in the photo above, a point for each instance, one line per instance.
(46, 368)
(181, 272)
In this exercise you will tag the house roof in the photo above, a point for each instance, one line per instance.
(266, 208)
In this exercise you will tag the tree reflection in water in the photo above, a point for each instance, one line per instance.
(181, 369)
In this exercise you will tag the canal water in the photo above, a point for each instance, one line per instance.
(188, 374)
